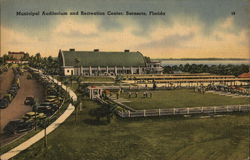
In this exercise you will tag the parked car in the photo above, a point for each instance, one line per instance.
(13, 87)
(30, 116)
(54, 106)
(5, 69)
(8, 97)
(3, 103)
(17, 126)
(12, 92)
(29, 101)
(53, 101)
(47, 110)
(29, 76)
(54, 97)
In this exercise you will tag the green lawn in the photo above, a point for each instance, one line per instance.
(98, 79)
(180, 98)
(221, 138)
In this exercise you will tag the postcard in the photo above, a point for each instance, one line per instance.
(124, 80)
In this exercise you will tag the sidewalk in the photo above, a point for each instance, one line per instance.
(13, 152)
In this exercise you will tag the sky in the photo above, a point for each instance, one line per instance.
(189, 28)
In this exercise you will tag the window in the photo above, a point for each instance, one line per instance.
(67, 70)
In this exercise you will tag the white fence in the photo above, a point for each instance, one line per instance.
(185, 111)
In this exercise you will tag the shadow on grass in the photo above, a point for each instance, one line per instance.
(181, 117)
(94, 122)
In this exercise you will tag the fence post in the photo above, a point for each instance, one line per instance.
(187, 110)
(174, 111)
(239, 108)
(128, 113)
(159, 112)
(214, 109)
(144, 113)
(227, 109)
(202, 110)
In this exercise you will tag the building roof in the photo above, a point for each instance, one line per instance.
(16, 53)
(97, 58)
(244, 75)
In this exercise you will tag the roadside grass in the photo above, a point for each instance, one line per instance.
(180, 98)
(15, 143)
(221, 138)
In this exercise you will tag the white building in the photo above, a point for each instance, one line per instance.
(94, 63)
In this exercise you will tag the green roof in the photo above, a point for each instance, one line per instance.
(97, 58)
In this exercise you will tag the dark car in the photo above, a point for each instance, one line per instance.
(54, 106)
(3, 103)
(8, 97)
(29, 76)
(47, 110)
(53, 101)
(14, 88)
(5, 69)
(16, 85)
(17, 126)
(12, 92)
(29, 101)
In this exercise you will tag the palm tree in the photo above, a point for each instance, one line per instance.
(76, 104)
(110, 111)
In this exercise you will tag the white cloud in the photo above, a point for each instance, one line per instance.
(86, 35)
(227, 23)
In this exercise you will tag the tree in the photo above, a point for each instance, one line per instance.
(25, 57)
(76, 104)
(106, 110)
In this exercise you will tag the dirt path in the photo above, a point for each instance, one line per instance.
(16, 108)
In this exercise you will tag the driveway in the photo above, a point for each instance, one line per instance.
(16, 108)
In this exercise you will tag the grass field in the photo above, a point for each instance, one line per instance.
(98, 79)
(180, 98)
(221, 138)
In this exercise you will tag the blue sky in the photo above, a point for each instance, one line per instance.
(190, 28)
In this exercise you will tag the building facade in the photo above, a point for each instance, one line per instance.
(16, 55)
(95, 63)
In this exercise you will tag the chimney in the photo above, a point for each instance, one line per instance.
(96, 50)
(126, 50)
(72, 49)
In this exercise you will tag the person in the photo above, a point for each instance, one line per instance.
(129, 94)
(136, 94)
(117, 95)
(150, 94)
(154, 85)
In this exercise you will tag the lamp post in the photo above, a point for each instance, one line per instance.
(45, 124)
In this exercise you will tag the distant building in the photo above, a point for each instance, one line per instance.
(16, 55)
(244, 75)
(94, 63)
(14, 61)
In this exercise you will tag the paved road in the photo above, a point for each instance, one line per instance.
(40, 135)
(16, 108)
